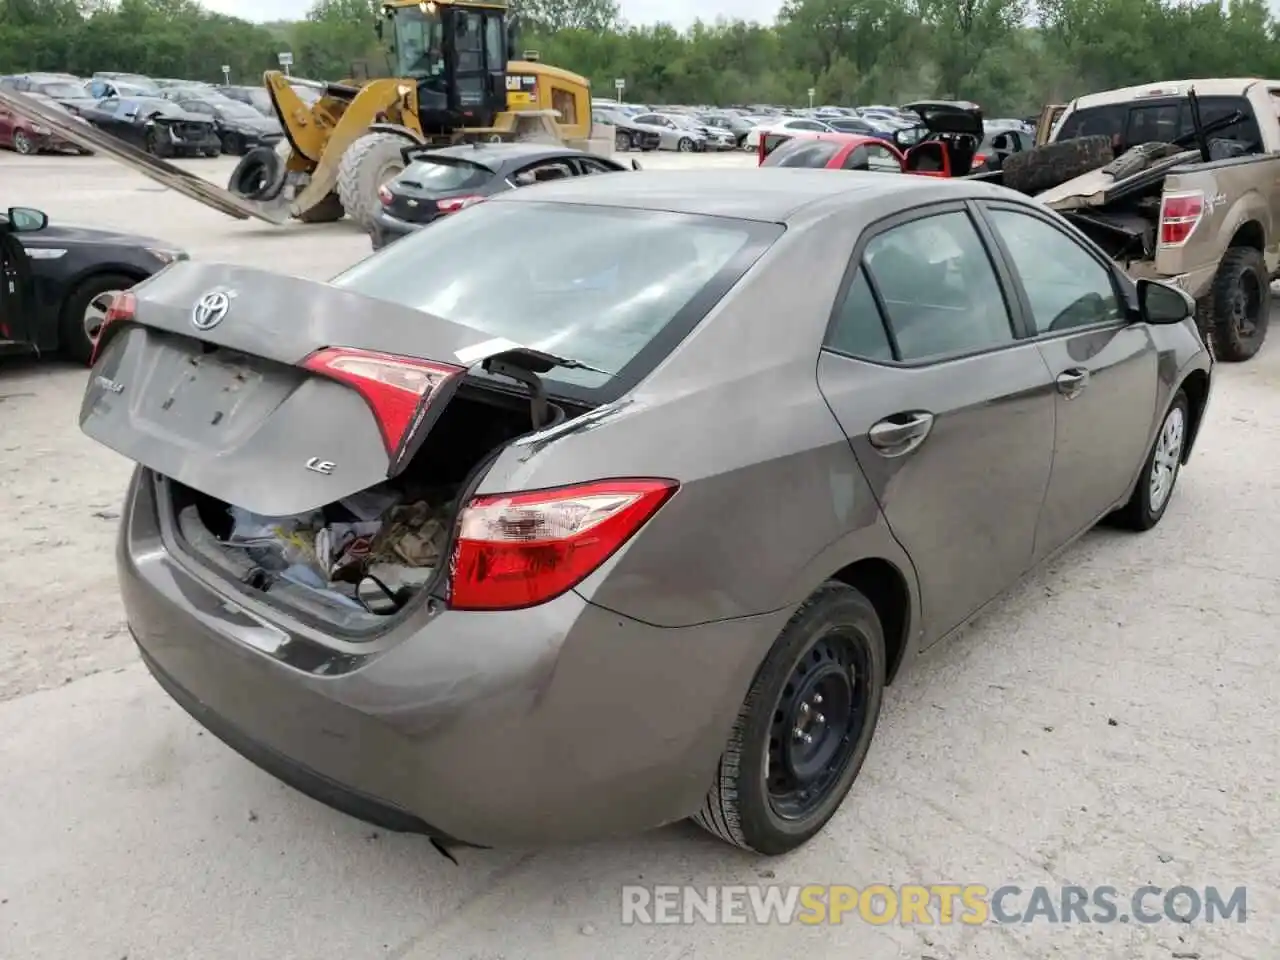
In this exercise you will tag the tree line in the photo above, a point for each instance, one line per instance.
(1011, 56)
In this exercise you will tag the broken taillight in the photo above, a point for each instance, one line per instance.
(1179, 215)
(454, 204)
(393, 386)
(385, 196)
(979, 159)
(123, 306)
(521, 549)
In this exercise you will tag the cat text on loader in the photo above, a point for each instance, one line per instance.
(454, 81)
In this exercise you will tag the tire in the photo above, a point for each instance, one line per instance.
(328, 210)
(621, 142)
(259, 175)
(233, 144)
(1148, 504)
(368, 163)
(74, 335)
(741, 808)
(1239, 305)
(1137, 159)
(1042, 168)
(685, 145)
(211, 153)
(154, 147)
(23, 144)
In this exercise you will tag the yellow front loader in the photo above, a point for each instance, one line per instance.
(454, 80)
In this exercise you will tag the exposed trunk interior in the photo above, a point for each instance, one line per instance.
(355, 563)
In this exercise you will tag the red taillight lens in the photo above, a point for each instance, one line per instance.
(521, 549)
(454, 204)
(123, 306)
(1179, 215)
(384, 195)
(393, 386)
(979, 159)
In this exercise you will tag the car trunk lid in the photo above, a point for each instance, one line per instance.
(273, 393)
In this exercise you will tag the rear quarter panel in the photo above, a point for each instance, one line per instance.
(772, 501)
(1241, 197)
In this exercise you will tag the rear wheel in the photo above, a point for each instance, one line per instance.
(1240, 305)
(85, 311)
(23, 144)
(805, 727)
(621, 142)
(368, 163)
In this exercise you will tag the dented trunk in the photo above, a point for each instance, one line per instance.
(273, 393)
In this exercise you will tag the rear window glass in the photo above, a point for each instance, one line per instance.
(431, 175)
(802, 153)
(606, 289)
(1160, 120)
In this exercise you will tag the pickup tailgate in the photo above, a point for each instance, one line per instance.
(300, 394)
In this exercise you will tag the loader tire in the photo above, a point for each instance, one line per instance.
(328, 210)
(368, 163)
(259, 175)
(1042, 168)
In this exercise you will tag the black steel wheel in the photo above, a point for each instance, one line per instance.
(1241, 305)
(805, 727)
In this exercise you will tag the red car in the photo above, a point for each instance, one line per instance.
(944, 145)
(25, 136)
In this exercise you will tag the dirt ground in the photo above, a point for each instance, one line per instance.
(1111, 722)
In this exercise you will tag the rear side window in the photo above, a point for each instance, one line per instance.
(858, 330)
(434, 175)
(938, 287)
(802, 153)
(617, 280)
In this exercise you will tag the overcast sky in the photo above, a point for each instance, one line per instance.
(678, 12)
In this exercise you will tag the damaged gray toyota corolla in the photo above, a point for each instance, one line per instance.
(588, 510)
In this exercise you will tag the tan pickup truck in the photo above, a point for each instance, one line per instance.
(1178, 181)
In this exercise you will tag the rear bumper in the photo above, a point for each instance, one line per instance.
(556, 724)
(386, 228)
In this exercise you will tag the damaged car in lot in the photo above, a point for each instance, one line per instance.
(158, 126)
(61, 281)
(398, 537)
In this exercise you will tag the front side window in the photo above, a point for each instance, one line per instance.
(617, 279)
(873, 156)
(1066, 285)
(938, 286)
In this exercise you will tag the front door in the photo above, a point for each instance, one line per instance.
(479, 89)
(949, 416)
(16, 290)
(1104, 367)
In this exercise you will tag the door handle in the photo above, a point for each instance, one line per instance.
(901, 433)
(1071, 382)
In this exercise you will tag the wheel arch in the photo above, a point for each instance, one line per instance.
(890, 593)
(1249, 234)
(1196, 386)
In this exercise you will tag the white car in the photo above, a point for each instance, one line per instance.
(784, 125)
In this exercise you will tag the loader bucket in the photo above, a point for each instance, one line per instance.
(197, 188)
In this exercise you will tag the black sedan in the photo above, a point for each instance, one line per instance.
(256, 97)
(59, 281)
(240, 127)
(156, 125)
(439, 182)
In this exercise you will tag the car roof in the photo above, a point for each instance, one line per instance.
(765, 194)
(504, 154)
(1211, 87)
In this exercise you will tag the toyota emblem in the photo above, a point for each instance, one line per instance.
(211, 309)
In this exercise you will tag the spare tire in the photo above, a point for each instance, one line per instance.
(1042, 168)
(259, 175)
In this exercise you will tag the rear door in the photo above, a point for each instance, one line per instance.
(1104, 366)
(949, 414)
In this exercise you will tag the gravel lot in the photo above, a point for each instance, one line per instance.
(1105, 724)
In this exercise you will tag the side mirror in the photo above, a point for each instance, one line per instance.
(1164, 304)
(27, 219)
(635, 165)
